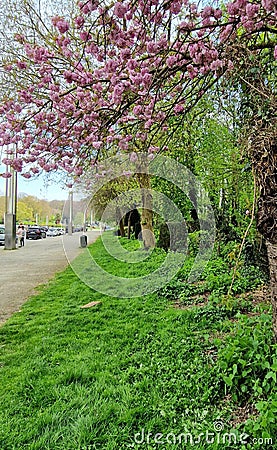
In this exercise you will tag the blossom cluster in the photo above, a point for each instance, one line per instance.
(114, 75)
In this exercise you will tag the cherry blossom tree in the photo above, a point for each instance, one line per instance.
(109, 77)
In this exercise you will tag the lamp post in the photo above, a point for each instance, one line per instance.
(70, 224)
(91, 216)
(10, 208)
(85, 222)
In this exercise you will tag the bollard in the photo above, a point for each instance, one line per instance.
(83, 241)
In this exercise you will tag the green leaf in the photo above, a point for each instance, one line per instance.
(228, 380)
(271, 375)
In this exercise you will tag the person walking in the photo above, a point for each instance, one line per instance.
(21, 235)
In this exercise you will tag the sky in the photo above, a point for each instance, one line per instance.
(39, 187)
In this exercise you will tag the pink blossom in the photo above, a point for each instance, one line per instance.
(207, 21)
(79, 21)
(17, 164)
(148, 124)
(146, 79)
(185, 26)
(141, 136)
(85, 36)
(18, 108)
(178, 108)
(251, 10)
(158, 17)
(97, 144)
(6, 175)
(62, 26)
(133, 157)
(19, 38)
(137, 110)
(152, 47)
(7, 161)
(226, 32)
(25, 96)
(127, 173)
(269, 4)
(232, 9)
(275, 52)
(78, 171)
(120, 10)
(192, 71)
(215, 65)
(175, 7)
(26, 175)
(21, 64)
(153, 149)
(207, 12)
(55, 20)
(88, 6)
(249, 25)
(171, 60)
(217, 13)
(123, 145)
(69, 76)
(125, 53)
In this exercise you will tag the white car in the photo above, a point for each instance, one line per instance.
(2, 235)
(52, 232)
(60, 231)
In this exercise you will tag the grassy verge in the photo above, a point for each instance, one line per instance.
(157, 372)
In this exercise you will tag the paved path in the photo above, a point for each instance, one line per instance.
(23, 269)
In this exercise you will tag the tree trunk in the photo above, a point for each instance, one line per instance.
(120, 221)
(259, 109)
(272, 258)
(265, 165)
(121, 228)
(129, 225)
(147, 210)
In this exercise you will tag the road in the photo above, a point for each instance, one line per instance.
(23, 269)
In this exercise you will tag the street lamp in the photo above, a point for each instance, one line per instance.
(10, 207)
(70, 224)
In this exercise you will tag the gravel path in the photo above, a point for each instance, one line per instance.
(25, 268)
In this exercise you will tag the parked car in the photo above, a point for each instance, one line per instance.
(2, 235)
(45, 229)
(52, 232)
(34, 232)
(60, 231)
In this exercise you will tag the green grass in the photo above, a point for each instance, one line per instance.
(76, 379)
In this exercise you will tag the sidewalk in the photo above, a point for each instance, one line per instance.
(25, 268)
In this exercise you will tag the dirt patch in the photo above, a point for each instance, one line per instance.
(242, 414)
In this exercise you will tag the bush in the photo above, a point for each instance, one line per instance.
(247, 361)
